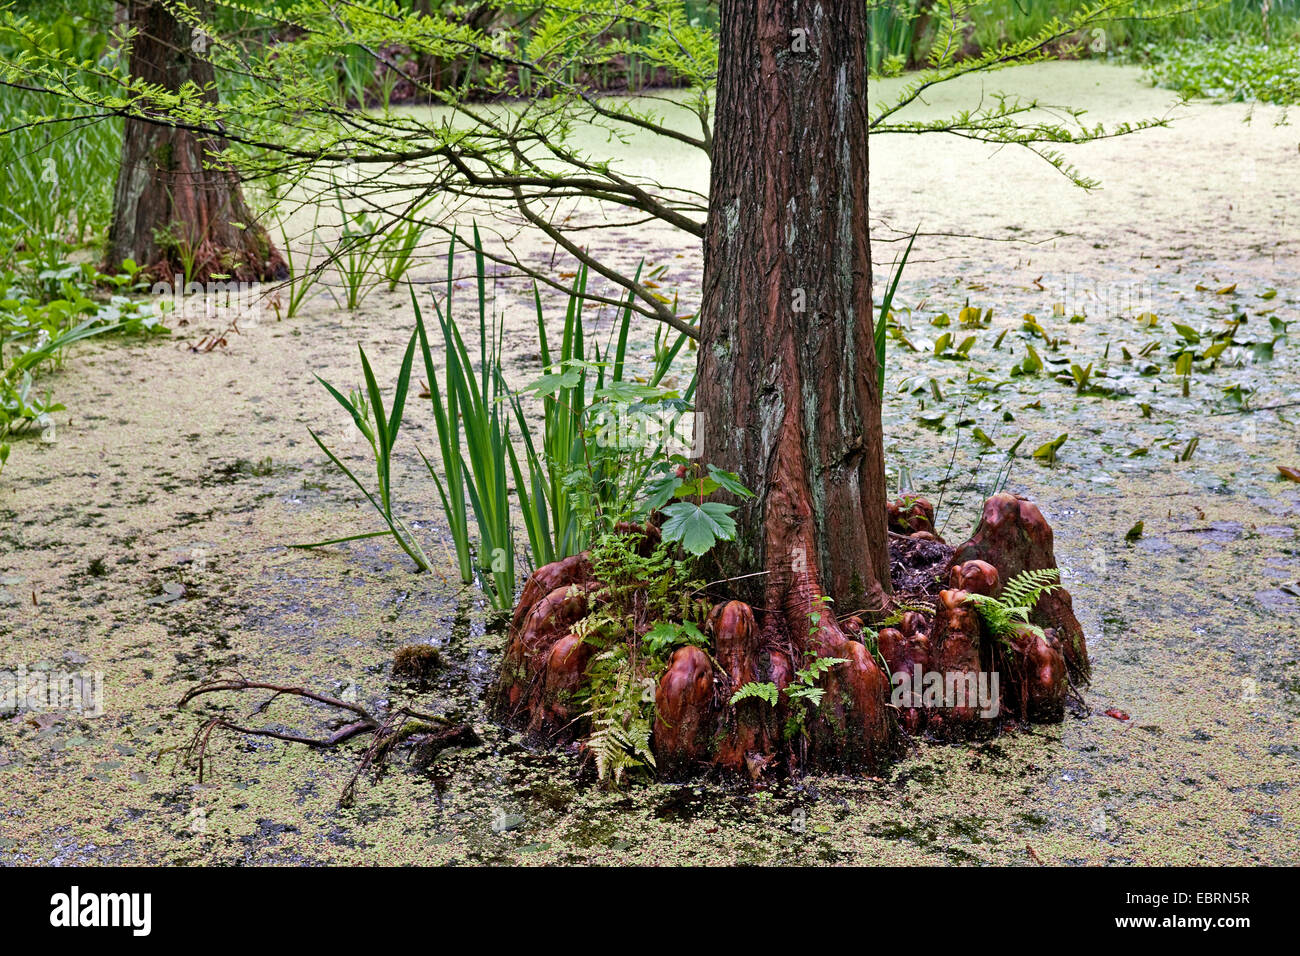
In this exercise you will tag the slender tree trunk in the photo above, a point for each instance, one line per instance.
(175, 210)
(789, 396)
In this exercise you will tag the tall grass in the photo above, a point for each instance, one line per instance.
(57, 190)
(497, 465)
(57, 187)
(56, 195)
(892, 34)
(367, 411)
(481, 464)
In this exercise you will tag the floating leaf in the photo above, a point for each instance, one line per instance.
(172, 591)
(1033, 362)
(1081, 375)
(932, 419)
(1048, 451)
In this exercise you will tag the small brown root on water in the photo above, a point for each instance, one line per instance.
(208, 343)
(390, 728)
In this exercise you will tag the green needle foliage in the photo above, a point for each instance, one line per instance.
(519, 101)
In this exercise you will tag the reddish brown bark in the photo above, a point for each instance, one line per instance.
(789, 395)
(176, 211)
(789, 400)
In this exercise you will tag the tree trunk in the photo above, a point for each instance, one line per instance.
(176, 210)
(789, 395)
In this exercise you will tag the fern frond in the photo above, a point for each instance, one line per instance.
(765, 691)
(813, 695)
(1027, 587)
(818, 667)
(1011, 611)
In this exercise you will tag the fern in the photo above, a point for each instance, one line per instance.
(766, 691)
(813, 695)
(1004, 615)
(817, 668)
(630, 657)
(896, 615)
(620, 722)
(802, 688)
(1027, 587)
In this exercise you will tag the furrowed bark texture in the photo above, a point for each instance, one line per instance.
(789, 393)
(174, 212)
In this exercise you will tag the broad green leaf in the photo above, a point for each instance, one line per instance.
(698, 527)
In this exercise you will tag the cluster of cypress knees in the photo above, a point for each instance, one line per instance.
(859, 723)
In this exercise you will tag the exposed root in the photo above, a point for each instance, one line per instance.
(390, 728)
(911, 514)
